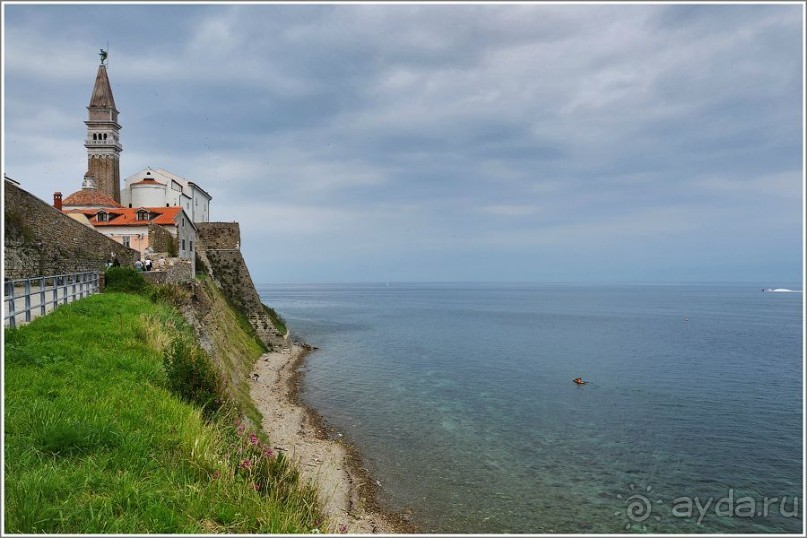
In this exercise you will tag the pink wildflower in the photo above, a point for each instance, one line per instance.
(246, 463)
(253, 439)
(241, 429)
(268, 453)
(342, 528)
(255, 486)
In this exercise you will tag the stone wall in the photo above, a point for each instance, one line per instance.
(40, 240)
(161, 241)
(230, 272)
(180, 271)
(218, 235)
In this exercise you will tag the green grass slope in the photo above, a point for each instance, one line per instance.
(99, 440)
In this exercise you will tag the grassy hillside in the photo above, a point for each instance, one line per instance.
(102, 435)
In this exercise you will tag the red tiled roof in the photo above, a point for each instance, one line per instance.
(127, 216)
(148, 181)
(90, 197)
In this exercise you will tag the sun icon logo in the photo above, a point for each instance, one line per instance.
(638, 508)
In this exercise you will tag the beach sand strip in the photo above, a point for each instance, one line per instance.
(346, 492)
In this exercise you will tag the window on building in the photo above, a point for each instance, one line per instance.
(142, 215)
(191, 246)
(183, 245)
(126, 241)
(94, 136)
(104, 136)
(102, 216)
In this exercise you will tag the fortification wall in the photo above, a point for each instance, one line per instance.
(218, 235)
(230, 272)
(40, 240)
(217, 247)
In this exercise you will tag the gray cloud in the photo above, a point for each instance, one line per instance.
(430, 141)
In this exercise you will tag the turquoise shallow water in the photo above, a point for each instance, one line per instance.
(461, 401)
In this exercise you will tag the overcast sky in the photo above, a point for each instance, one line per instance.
(625, 143)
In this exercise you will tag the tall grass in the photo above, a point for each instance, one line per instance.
(98, 440)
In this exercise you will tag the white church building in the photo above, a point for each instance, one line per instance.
(160, 188)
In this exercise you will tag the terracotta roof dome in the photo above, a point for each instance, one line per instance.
(89, 198)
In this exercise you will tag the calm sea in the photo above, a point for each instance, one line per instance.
(460, 398)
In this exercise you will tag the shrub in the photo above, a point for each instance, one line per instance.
(124, 279)
(192, 375)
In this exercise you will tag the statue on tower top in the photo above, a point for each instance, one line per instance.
(103, 54)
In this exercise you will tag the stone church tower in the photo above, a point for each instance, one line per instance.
(103, 142)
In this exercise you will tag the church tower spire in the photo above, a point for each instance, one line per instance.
(103, 136)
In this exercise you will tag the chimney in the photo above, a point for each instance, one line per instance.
(57, 200)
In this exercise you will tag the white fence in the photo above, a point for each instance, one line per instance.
(28, 298)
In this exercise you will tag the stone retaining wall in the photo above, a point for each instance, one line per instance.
(41, 240)
(179, 272)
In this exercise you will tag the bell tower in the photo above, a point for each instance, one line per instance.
(103, 136)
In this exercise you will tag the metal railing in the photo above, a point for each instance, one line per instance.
(32, 297)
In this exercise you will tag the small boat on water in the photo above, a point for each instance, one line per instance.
(580, 381)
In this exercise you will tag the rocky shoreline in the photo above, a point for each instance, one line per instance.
(346, 492)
